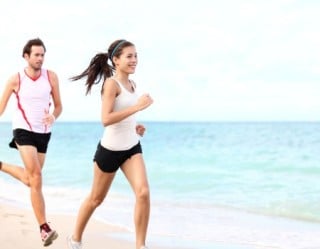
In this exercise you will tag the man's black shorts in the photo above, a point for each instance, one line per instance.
(24, 137)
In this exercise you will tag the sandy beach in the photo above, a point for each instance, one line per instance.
(19, 230)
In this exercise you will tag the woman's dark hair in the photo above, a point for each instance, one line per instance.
(99, 68)
(30, 43)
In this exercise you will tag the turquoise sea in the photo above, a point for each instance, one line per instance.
(203, 176)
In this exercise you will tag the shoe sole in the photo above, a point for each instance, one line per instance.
(50, 239)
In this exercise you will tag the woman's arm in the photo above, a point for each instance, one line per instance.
(110, 92)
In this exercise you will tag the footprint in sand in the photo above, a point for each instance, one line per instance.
(15, 215)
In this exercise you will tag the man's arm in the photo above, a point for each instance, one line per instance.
(11, 86)
(55, 94)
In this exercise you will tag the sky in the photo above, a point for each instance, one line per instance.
(204, 60)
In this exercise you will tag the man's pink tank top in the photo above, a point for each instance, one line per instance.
(33, 102)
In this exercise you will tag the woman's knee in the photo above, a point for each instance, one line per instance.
(143, 194)
(95, 201)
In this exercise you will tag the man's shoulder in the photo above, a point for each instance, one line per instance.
(13, 81)
(52, 76)
(14, 78)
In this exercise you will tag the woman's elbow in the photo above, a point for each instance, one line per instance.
(105, 121)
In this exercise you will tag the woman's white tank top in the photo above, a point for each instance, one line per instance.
(122, 135)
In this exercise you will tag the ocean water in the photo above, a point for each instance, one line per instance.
(231, 175)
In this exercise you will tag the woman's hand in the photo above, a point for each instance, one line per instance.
(144, 101)
(140, 129)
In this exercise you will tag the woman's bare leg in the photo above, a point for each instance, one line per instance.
(100, 187)
(135, 171)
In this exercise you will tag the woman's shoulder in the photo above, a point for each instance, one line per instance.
(111, 81)
(111, 85)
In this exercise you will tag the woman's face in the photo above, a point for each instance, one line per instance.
(127, 61)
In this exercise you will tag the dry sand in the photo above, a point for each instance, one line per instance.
(18, 229)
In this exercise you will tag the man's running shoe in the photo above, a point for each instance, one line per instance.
(48, 235)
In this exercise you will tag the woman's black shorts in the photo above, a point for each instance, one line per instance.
(110, 161)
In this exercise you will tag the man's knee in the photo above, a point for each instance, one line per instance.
(34, 179)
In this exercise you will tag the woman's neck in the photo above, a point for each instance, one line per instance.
(123, 78)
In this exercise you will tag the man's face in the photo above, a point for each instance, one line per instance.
(36, 57)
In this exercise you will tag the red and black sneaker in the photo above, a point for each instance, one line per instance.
(47, 234)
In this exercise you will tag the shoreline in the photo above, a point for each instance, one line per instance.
(19, 230)
(234, 230)
(171, 227)
(167, 238)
